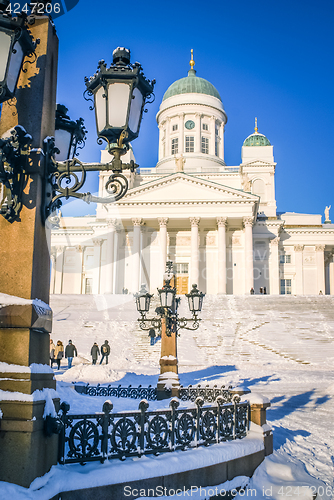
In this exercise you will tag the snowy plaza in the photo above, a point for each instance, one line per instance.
(279, 347)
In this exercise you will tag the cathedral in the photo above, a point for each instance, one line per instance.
(219, 224)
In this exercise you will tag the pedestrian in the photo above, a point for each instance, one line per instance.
(95, 353)
(52, 352)
(264, 290)
(59, 352)
(105, 351)
(261, 290)
(151, 334)
(70, 352)
(252, 291)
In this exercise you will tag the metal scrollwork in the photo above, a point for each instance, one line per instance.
(124, 435)
(157, 432)
(208, 426)
(185, 429)
(83, 440)
(14, 167)
(117, 185)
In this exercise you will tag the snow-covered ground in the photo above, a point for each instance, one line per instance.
(281, 347)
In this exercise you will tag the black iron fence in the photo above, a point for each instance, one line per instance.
(189, 393)
(107, 435)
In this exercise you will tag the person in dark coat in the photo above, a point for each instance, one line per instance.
(95, 353)
(70, 352)
(59, 352)
(105, 351)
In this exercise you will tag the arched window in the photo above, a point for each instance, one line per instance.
(259, 188)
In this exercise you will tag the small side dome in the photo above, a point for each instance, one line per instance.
(256, 139)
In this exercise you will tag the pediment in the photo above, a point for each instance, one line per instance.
(257, 163)
(180, 187)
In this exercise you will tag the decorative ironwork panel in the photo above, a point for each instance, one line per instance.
(209, 394)
(149, 393)
(108, 435)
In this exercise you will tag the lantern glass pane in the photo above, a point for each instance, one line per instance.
(196, 303)
(142, 301)
(135, 110)
(62, 140)
(101, 111)
(170, 297)
(118, 97)
(14, 67)
(163, 299)
(5, 41)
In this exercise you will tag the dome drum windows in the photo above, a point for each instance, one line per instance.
(175, 127)
(175, 146)
(205, 126)
(190, 144)
(205, 145)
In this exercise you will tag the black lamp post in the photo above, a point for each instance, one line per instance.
(168, 308)
(16, 42)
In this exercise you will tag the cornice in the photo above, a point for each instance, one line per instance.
(186, 203)
(175, 177)
(309, 231)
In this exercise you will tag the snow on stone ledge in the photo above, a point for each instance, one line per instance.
(33, 368)
(35, 396)
(255, 398)
(10, 300)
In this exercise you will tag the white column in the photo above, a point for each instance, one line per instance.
(274, 267)
(197, 133)
(320, 261)
(53, 256)
(136, 254)
(331, 276)
(194, 263)
(299, 269)
(59, 269)
(161, 133)
(163, 244)
(212, 136)
(168, 144)
(221, 221)
(97, 242)
(221, 142)
(181, 134)
(249, 280)
(109, 268)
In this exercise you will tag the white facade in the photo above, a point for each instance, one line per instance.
(218, 224)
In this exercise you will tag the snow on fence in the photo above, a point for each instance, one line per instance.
(107, 435)
(189, 393)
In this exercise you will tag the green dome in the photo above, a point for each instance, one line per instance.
(256, 139)
(191, 84)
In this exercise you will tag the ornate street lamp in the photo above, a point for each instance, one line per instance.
(120, 94)
(195, 300)
(69, 135)
(168, 308)
(143, 299)
(16, 42)
(167, 296)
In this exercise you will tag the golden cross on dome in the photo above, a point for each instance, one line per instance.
(256, 129)
(192, 62)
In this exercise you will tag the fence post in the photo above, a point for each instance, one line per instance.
(220, 401)
(65, 408)
(174, 403)
(199, 403)
(258, 410)
(106, 408)
(143, 406)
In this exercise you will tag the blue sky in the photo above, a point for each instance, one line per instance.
(273, 60)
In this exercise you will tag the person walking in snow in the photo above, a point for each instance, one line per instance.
(52, 352)
(59, 352)
(105, 351)
(70, 352)
(95, 353)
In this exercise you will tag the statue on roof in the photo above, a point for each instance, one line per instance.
(327, 209)
(180, 161)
